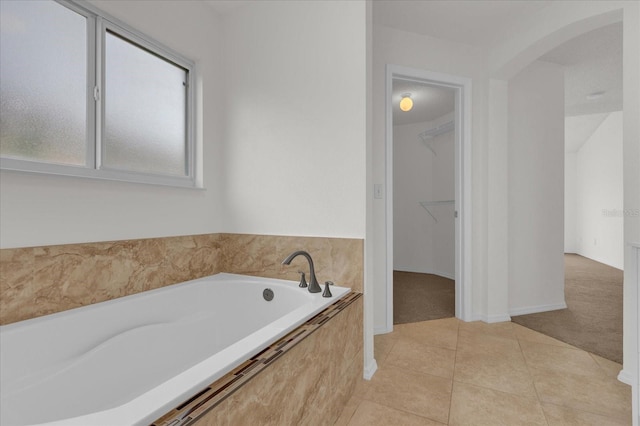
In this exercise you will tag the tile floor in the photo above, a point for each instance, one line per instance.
(448, 372)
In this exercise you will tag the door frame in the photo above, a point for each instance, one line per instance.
(462, 159)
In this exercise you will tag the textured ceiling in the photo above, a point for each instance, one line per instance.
(429, 102)
(593, 64)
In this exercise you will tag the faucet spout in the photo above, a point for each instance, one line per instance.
(314, 287)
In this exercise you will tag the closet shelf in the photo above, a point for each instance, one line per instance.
(426, 204)
(428, 135)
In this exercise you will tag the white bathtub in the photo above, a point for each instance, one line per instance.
(129, 360)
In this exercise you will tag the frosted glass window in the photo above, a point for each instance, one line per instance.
(145, 102)
(43, 82)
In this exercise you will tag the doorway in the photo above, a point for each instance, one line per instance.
(423, 204)
(457, 201)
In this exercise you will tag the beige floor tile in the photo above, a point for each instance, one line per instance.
(442, 333)
(492, 362)
(597, 394)
(421, 394)
(563, 416)
(414, 356)
(473, 405)
(372, 414)
(610, 368)
(550, 357)
(348, 411)
(526, 334)
(499, 329)
(382, 345)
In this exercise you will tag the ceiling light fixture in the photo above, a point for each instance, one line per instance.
(595, 95)
(406, 103)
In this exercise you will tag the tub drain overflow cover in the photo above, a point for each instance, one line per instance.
(267, 294)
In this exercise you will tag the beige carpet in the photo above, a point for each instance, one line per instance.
(422, 297)
(593, 320)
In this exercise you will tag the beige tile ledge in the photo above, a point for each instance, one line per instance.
(38, 281)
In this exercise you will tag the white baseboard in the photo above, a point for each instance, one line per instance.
(381, 330)
(537, 309)
(625, 377)
(496, 318)
(370, 369)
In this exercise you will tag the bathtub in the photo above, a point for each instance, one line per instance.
(129, 360)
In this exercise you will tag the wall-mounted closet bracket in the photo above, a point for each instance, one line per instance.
(428, 135)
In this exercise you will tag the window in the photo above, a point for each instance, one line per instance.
(83, 95)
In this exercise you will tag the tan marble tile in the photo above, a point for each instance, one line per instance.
(492, 362)
(596, 394)
(335, 259)
(382, 345)
(371, 414)
(610, 368)
(421, 394)
(498, 329)
(526, 334)
(438, 333)
(190, 257)
(563, 416)
(415, 356)
(563, 359)
(16, 282)
(473, 405)
(348, 411)
(322, 384)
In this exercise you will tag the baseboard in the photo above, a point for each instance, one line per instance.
(537, 309)
(496, 318)
(625, 377)
(370, 369)
(381, 330)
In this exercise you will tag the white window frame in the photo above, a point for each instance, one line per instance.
(98, 23)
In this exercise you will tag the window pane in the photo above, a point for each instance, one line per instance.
(43, 79)
(145, 110)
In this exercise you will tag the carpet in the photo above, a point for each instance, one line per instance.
(422, 297)
(593, 318)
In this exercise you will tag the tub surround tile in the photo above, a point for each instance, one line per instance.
(16, 284)
(43, 280)
(324, 374)
(335, 259)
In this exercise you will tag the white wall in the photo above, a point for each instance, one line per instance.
(391, 46)
(420, 243)
(283, 143)
(536, 190)
(41, 210)
(599, 194)
(570, 202)
(295, 104)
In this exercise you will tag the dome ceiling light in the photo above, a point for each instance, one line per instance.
(406, 103)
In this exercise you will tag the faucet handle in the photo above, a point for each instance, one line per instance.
(327, 292)
(303, 280)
